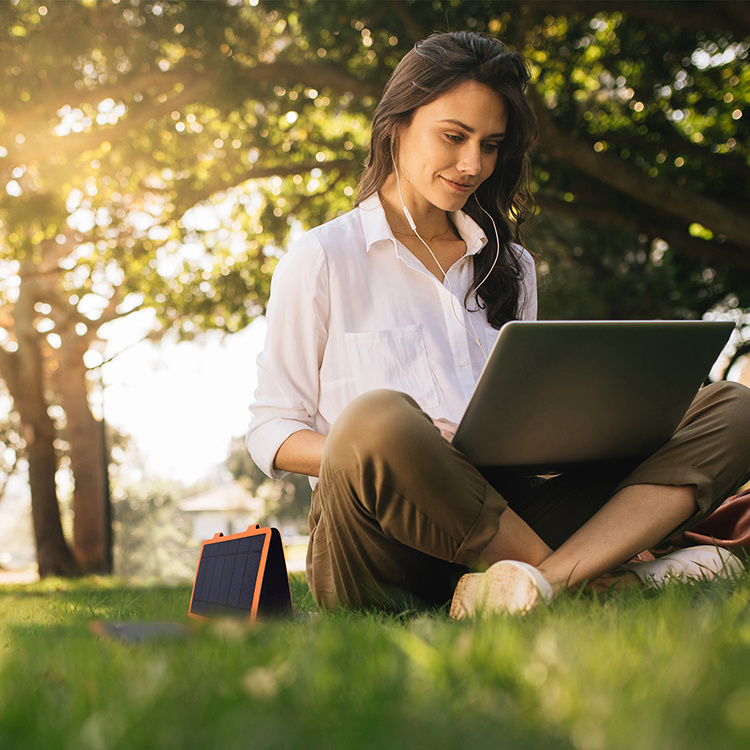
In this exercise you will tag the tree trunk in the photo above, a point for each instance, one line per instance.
(53, 554)
(91, 527)
(23, 373)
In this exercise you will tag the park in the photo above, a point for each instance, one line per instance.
(156, 159)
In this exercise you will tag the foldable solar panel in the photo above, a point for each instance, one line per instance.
(242, 575)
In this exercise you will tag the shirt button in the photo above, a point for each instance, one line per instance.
(462, 362)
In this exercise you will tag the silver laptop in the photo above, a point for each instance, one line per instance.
(555, 394)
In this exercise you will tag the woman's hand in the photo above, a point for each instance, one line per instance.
(447, 429)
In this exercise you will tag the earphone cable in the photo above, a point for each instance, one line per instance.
(472, 333)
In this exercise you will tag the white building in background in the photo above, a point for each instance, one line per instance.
(227, 509)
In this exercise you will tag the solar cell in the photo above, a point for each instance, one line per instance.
(242, 575)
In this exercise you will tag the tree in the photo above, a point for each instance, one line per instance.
(123, 121)
(117, 119)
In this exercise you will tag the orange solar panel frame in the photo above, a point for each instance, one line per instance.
(241, 575)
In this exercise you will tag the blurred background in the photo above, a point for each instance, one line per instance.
(156, 158)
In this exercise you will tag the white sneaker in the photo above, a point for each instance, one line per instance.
(701, 563)
(508, 586)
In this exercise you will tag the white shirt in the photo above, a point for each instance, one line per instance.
(351, 310)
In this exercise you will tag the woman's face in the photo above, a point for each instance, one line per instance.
(450, 147)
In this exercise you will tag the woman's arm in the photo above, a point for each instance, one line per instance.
(301, 453)
(286, 397)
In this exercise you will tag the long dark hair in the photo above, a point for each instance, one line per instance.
(434, 67)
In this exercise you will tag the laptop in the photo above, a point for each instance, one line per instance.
(557, 394)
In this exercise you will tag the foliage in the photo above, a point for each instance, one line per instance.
(152, 538)
(287, 499)
(613, 672)
(593, 271)
(166, 106)
(666, 101)
(155, 156)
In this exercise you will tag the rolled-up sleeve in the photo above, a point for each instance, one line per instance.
(286, 398)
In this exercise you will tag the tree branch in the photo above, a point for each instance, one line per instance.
(110, 312)
(731, 16)
(317, 75)
(198, 195)
(39, 146)
(673, 233)
(653, 191)
(43, 147)
(413, 29)
(730, 163)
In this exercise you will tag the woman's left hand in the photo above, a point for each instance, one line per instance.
(447, 429)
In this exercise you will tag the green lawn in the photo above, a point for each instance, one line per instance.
(629, 670)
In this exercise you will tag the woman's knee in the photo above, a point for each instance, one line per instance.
(732, 398)
(374, 423)
(727, 418)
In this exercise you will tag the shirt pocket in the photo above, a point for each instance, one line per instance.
(394, 359)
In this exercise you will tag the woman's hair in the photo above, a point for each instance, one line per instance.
(434, 67)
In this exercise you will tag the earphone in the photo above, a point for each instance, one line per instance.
(410, 221)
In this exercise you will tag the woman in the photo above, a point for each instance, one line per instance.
(379, 323)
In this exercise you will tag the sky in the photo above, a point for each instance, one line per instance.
(181, 402)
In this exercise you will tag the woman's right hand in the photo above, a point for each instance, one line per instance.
(446, 427)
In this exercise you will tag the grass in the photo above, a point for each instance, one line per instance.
(627, 669)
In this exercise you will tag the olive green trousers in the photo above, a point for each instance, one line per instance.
(399, 514)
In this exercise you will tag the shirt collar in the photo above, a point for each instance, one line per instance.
(377, 231)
